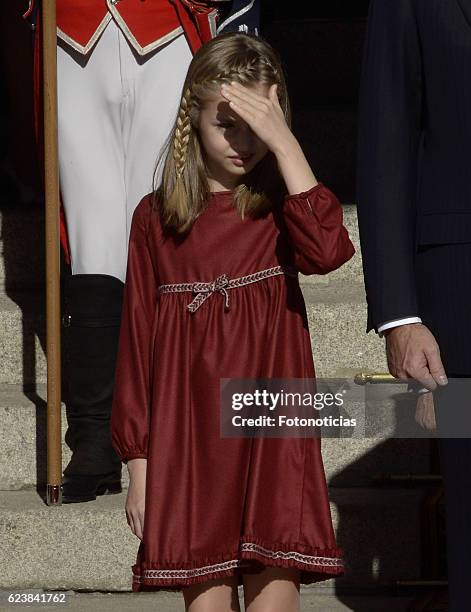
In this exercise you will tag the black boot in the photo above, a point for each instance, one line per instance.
(91, 322)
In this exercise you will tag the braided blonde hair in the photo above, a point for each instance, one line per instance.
(184, 189)
(182, 133)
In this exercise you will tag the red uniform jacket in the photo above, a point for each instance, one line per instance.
(147, 24)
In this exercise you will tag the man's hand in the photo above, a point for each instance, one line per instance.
(413, 352)
(425, 412)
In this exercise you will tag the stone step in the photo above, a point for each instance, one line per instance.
(336, 313)
(22, 337)
(355, 461)
(337, 316)
(22, 250)
(167, 601)
(90, 546)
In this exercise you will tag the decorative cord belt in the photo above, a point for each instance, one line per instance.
(222, 284)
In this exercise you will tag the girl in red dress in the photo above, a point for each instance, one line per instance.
(212, 292)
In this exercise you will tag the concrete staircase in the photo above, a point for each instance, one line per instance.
(89, 546)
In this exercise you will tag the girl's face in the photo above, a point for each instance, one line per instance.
(230, 148)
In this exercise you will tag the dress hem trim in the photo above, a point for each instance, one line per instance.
(322, 565)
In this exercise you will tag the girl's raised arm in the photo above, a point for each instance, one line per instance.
(312, 213)
(131, 395)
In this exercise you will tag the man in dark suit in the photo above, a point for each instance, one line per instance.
(414, 212)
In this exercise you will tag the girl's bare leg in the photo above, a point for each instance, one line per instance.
(212, 596)
(274, 589)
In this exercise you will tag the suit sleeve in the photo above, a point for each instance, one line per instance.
(132, 389)
(389, 138)
(314, 220)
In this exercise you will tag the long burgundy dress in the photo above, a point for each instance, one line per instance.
(222, 506)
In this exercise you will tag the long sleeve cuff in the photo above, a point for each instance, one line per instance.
(126, 456)
(396, 323)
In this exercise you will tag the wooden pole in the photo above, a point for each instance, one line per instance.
(53, 310)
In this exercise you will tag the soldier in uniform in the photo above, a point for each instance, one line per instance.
(121, 66)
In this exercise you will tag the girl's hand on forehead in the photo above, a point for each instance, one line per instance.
(266, 119)
(263, 115)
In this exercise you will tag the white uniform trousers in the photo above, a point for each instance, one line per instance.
(116, 110)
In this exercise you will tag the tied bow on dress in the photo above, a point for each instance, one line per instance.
(204, 290)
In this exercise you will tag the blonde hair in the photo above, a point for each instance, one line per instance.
(184, 187)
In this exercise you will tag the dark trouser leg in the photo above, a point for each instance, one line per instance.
(91, 319)
(455, 455)
(444, 291)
